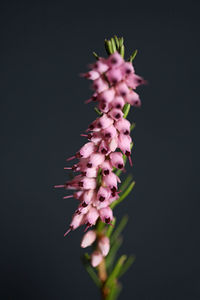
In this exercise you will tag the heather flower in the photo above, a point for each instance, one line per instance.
(100, 161)
(114, 81)
(88, 238)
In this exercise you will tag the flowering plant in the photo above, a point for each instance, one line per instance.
(100, 163)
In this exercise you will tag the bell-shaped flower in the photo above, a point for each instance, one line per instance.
(88, 238)
(116, 159)
(104, 245)
(106, 215)
(96, 258)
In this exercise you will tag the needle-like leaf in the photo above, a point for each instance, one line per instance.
(113, 276)
(127, 265)
(90, 270)
(119, 229)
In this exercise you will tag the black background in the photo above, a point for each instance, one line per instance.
(44, 47)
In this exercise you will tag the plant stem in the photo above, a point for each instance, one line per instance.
(103, 277)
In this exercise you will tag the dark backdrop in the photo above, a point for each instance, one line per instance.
(44, 47)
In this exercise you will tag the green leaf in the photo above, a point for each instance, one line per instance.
(116, 41)
(121, 41)
(127, 265)
(110, 47)
(113, 45)
(126, 109)
(90, 270)
(119, 229)
(132, 126)
(122, 50)
(110, 228)
(123, 196)
(98, 111)
(114, 291)
(106, 46)
(115, 271)
(99, 226)
(133, 55)
(126, 183)
(95, 55)
(112, 253)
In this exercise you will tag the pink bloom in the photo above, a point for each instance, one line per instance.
(83, 208)
(99, 85)
(100, 66)
(87, 183)
(88, 196)
(91, 75)
(103, 194)
(103, 147)
(127, 68)
(106, 214)
(118, 102)
(116, 159)
(87, 150)
(110, 181)
(96, 258)
(75, 223)
(103, 106)
(113, 82)
(122, 89)
(92, 216)
(123, 126)
(88, 239)
(95, 160)
(104, 245)
(116, 114)
(124, 143)
(134, 80)
(110, 132)
(106, 167)
(107, 95)
(114, 75)
(115, 60)
(133, 99)
(90, 172)
(113, 144)
(104, 122)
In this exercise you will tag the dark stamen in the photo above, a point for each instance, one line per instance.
(120, 166)
(101, 198)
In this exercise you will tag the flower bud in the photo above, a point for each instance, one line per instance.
(104, 245)
(96, 258)
(88, 239)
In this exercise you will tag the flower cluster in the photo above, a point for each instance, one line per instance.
(103, 246)
(114, 82)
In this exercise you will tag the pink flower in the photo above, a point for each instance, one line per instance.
(92, 216)
(88, 238)
(96, 258)
(100, 66)
(106, 215)
(123, 126)
(122, 89)
(116, 114)
(115, 60)
(104, 245)
(116, 159)
(118, 102)
(114, 84)
(99, 85)
(103, 194)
